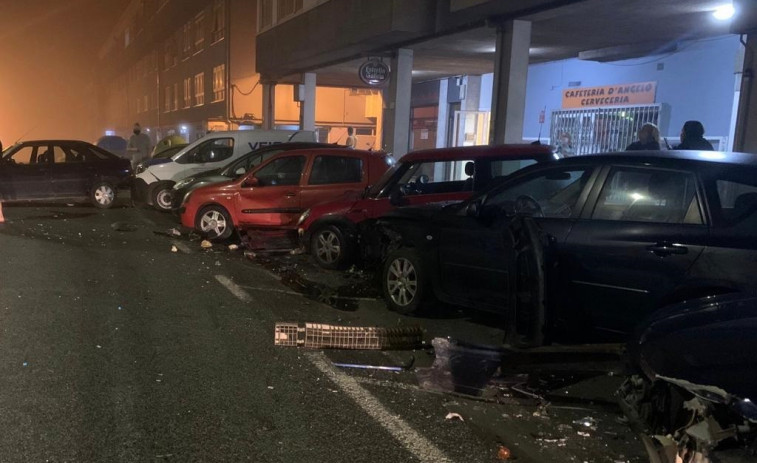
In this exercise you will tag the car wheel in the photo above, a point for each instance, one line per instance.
(214, 223)
(162, 197)
(103, 195)
(331, 248)
(403, 281)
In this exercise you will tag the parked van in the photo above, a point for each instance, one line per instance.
(274, 194)
(154, 184)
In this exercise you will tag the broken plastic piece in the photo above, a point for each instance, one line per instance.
(233, 247)
(205, 244)
(174, 249)
(586, 422)
(503, 453)
(369, 367)
(320, 336)
(453, 416)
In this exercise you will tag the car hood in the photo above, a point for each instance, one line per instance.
(202, 180)
(155, 161)
(217, 188)
(707, 346)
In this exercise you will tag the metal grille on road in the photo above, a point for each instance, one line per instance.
(600, 130)
(320, 336)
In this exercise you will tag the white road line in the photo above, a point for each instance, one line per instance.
(234, 288)
(272, 290)
(389, 384)
(182, 247)
(423, 449)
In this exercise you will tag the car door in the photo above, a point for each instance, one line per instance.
(26, 172)
(475, 253)
(332, 176)
(635, 245)
(70, 171)
(272, 199)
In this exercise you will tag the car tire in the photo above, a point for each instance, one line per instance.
(214, 223)
(331, 247)
(403, 281)
(103, 195)
(162, 197)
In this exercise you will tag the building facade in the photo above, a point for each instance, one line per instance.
(189, 66)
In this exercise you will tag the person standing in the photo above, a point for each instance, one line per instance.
(139, 146)
(692, 137)
(351, 138)
(649, 138)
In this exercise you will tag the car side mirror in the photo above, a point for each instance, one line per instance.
(397, 197)
(473, 209)
(250, 182)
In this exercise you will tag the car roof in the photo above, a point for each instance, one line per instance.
(471, 152)
(333, 150)
(58, 142)
(722, 157)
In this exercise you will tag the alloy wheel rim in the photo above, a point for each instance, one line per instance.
(402, 282)
(327, 247)
(164, 199)
(213, 222)
(104, 195)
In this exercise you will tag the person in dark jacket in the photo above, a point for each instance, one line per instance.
(692, 137)
(649, 138)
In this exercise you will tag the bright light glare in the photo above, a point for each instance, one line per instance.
(637, 196)
(712, 155)
(724, 12)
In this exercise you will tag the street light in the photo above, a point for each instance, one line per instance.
(724, 12)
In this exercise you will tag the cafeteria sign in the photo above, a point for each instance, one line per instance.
(374, 72)
(609, 95)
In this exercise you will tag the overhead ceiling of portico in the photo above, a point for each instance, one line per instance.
(608, 29)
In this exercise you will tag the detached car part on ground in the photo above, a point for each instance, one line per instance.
(154, 184)
(622, 235)
(67, 170)
(337, 233)
(697, 370)
(274, 195)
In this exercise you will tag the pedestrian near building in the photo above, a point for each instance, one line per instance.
(565, 145)
(649, 138)
(139, 146)
(692, 137)
(351, 138)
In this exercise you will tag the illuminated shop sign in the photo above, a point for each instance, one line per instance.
(609, 95)
(374, 73)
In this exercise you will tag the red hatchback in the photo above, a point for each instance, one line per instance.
(332, 232)
(276, 192)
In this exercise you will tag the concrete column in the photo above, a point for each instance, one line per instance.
(745, 134)
(442, 119)
(397, 105)
(510, 78)
(269, 105)
(307, 106)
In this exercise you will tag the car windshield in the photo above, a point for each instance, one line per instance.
(169, 152)
(376, 189)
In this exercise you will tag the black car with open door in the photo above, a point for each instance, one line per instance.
(596, 242)
(62, 170)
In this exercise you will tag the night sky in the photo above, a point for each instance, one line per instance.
(48, 51)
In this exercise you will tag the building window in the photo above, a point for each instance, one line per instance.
(187, 92)
(219, 20)
(175, 96)
(219, 83)
(200, 89)
(287, 8)
(187, 39)
(169, 98)
(199, 32)
(266, 14)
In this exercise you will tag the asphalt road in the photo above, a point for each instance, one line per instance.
(114, 348)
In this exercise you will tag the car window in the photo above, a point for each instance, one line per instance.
(24, 156)
(215, 150)
(649, 195)
(249, 162)
(94, 153)
(737, 197)
(555, 191)
(281, 171)
(59, 156)
(336, 169)
(434, 177)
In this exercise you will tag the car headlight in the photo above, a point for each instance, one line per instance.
(303, 217)
(183, 183)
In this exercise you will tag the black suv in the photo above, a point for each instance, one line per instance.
(595, 241)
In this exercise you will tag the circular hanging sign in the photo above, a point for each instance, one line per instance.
(374, 73)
